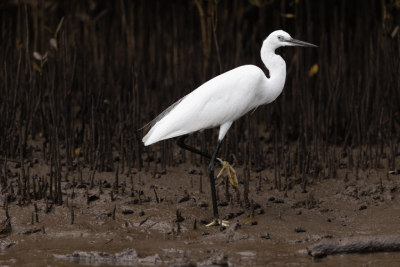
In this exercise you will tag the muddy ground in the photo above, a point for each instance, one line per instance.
(348, 205)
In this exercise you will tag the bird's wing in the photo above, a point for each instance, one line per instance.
(223, 99)
(163, 114)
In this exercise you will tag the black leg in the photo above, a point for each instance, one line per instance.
(181, 144)
(212, 181)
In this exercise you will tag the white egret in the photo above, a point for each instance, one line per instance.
(222, 100)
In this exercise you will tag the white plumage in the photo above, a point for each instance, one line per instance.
(221, 101)
(227, 97)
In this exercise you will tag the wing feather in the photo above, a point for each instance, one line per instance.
(224, 98)
(163, 114)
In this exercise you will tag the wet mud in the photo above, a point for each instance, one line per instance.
(159, 217)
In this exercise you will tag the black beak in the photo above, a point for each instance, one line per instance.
(295, 42)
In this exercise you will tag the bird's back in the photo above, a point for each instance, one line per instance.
(224, 98)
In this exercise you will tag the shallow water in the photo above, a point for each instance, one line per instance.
(243, 253)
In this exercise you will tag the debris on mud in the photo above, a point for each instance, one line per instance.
(266, 236)
(299, 230)
(355, 245)
(31, 231)
(127, 211)
(5, 228)
(6, 244)
(216, 260)
(126, 258)
(362, 207)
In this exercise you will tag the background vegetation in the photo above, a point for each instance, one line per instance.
(88, 75)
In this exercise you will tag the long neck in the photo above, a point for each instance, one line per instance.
(277, 72)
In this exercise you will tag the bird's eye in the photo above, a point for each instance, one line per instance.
(280, 38)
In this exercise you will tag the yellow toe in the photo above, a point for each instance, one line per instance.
(225, 223)
(212, 223)
(222, 222)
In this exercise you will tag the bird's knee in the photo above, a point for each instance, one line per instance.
(179, 143)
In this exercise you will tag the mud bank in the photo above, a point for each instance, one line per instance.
(159, 217)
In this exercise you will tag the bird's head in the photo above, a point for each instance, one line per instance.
(281, 38)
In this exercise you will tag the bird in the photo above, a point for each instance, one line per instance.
(222, 100)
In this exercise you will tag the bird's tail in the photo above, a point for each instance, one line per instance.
(150, 138)
(146, 138)
(159, 133)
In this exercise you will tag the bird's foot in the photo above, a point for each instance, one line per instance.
(226, 167)
(218, 222)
